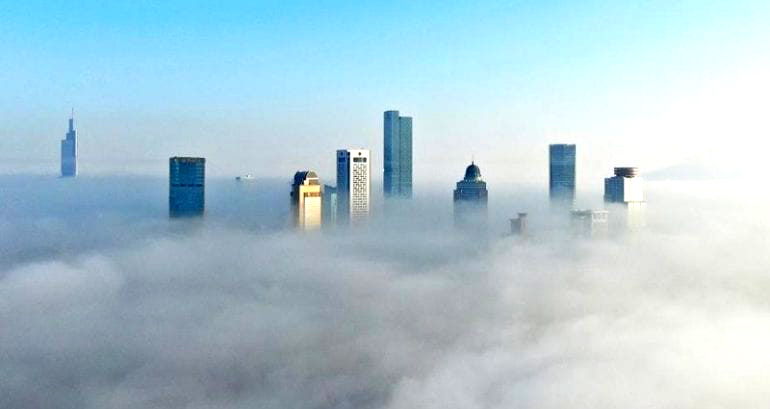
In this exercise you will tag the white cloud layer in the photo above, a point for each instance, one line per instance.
(411, 317)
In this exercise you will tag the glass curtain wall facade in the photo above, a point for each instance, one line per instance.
(187, 179)
(397, 155)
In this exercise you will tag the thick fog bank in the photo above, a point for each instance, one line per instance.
(408, 313)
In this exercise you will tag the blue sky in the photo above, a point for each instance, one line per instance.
(269, 87)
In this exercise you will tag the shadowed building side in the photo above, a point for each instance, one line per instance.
(187, 179)
(329, 214)
(306, 201)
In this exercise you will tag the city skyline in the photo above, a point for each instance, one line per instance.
(384, 205)
(533, 83)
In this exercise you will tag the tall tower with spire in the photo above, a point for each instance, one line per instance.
(69, 150)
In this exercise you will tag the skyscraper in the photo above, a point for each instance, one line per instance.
(329, 214)
(306, 200)
(353, 185)
(397, 158)
(470, 200)
(624, 196)
(69, 151)
(561, 175)
(187, 179)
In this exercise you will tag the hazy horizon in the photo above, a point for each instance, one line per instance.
(268, 88)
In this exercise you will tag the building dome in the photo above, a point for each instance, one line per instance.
(305, 177)
(472, 173)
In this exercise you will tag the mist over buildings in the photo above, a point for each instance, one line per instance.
(104, 302)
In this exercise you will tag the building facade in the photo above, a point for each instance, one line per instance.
(353, 185)
(561, 175)
(397, 155)
(329, 214)
(624, 197)
(589, 223)
(306, 201)
(470, 200)
(69, 151)
(187, 180)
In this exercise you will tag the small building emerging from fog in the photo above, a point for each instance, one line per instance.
(470, 200)
(520, 225)
(589, 223)
(624, 197)
(306, 201)
(187, 184)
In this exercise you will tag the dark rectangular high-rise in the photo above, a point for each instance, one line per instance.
(187, 180)
(397, 157)
(561, 175)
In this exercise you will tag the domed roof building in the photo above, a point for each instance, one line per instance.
(472, 173)
(470, 199)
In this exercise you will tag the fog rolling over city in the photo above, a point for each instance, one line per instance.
(106, 303)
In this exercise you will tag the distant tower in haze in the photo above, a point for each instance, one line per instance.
(561, 175)
(329, 214)
(353, 185)
(397, 158)
(187, 179)
(624, 196)
(470, 199)
(306, 201)
(69, 150)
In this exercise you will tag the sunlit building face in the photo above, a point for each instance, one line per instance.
(306, 201)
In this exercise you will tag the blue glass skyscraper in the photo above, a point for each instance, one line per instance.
(397, 143)
(69, 151)
(187, 179)
(561, 177)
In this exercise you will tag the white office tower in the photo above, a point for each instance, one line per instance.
(353, 185)
(624, 198)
